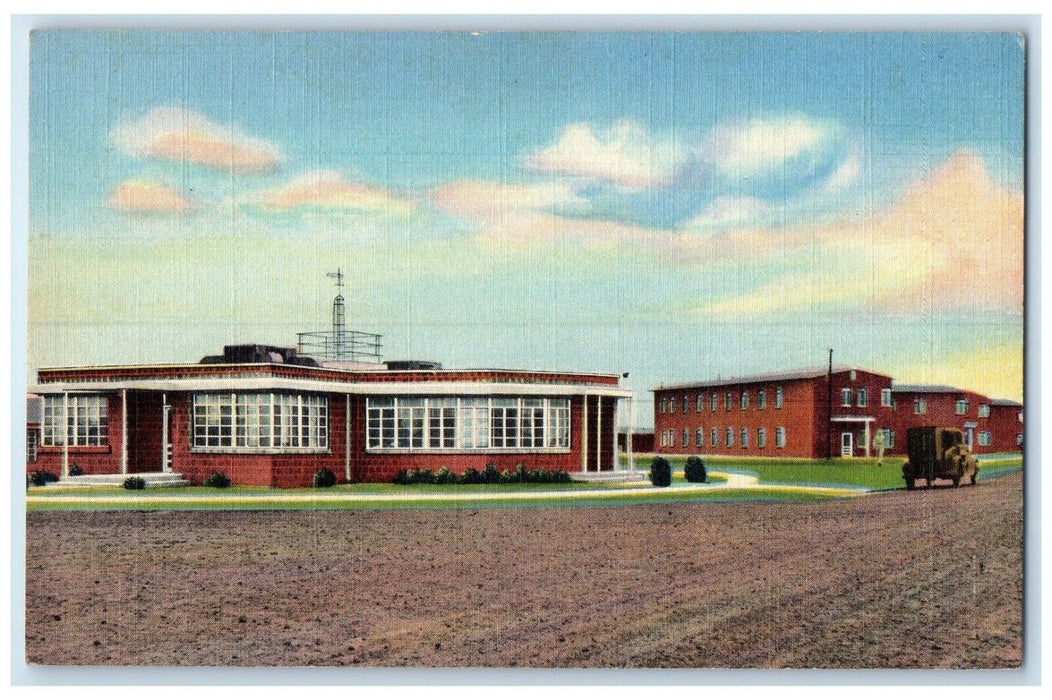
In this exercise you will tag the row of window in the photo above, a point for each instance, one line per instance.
(668, 404)
(668, 437)
(254, 419)
(75, 419)
(475, 423)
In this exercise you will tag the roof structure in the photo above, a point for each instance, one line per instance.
(925, 389)
(807, 373)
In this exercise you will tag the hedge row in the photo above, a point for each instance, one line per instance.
(489, 475)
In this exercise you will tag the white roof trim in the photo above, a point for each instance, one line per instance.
(371, 388)
(852, 419)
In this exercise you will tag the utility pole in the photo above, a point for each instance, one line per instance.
(829, 410)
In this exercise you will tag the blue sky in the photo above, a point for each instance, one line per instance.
(672, 205)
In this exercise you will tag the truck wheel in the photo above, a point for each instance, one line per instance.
(956, 481)
(975, 478)
(909, 484)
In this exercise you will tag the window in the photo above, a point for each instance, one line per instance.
(713, 402)
(984, 410)
(779, 437)
(761, 438)
(885, 398)
(470, 423)
(31, 445)
(862, 398)
(961, 407)
(845, 397)
(745, 438)
(662, 404)
(698, 402)
(920, 406)
(699, 437)
(1019, 439)
(729, 437)
(728, 401)
(684, 438)
(260, 420)
(672, 405)
(761, 399)
(745, 400)
(889, 438)
(713, 438)
(778, 397)
(686, 403)
(984, 438)
(663, 443)
(75, 419)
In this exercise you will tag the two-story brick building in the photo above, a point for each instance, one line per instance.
(799, 414)
(278, 419)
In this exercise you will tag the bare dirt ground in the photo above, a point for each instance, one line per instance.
(920, 580)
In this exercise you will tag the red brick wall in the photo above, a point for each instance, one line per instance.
(796, 415)
(1005, 428)
(942, 412)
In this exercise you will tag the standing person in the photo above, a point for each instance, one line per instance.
(879, 445)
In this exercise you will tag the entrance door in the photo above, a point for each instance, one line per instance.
(166, 439)
(968, 435)
(847, 444)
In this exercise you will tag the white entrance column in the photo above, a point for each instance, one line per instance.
(867, 437)
(584, 433)
(615, 458)
(598, 433)
(124, 431)
(628, 433)
(65, 434)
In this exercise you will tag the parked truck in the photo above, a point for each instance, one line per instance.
(938, 453)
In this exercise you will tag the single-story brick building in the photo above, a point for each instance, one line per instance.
(268, 416)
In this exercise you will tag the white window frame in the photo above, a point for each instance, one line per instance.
(920, 406)
(699, 437)
(699, 401)
(985, 438)
(82, 420)
(259, 422)
(779, 437)
(862, 397)
(744, 438)
(779, 397)
(845, 396)
(960, 407)
(984, 410)
(728, 401)
(761, 438)
(714, 437)
(489, 424)
(745, 400)
(761, 399)
(684, 438)
(728, 437)
(714, 402)
(885, 398)
(31, 444)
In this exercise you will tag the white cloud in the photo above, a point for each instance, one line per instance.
(330, 190)
(761, 145)
(625, 155)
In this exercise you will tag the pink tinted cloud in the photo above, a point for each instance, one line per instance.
(325, 189)
(181, 135)
(144, 197)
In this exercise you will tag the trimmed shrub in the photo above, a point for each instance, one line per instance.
(470, 476)
(561, 477)
(520, 472)
(135, 483)
(509, 477)
(444, 476)
(402, 478)
(75, 470)
(694, 471)
(42, 478)
(490, 475)
(323, 479)
(660, 472)
(219, 480)
(422, 476)
(537, 476)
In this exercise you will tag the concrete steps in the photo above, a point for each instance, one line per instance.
(152, 479)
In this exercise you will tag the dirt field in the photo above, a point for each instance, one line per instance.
(922, 579)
